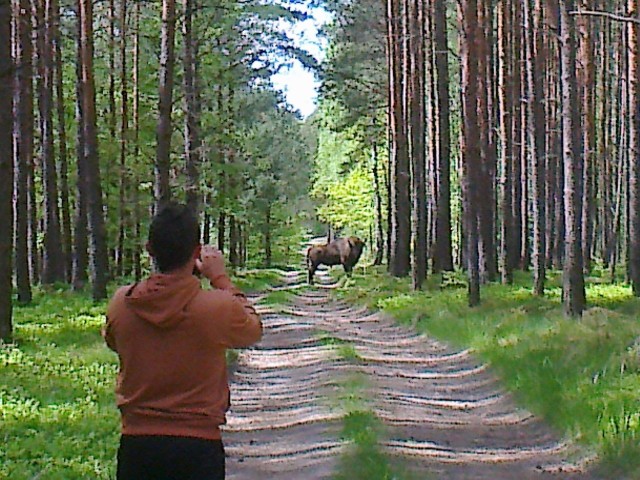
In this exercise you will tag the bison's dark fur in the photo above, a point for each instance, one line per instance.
(341, 251)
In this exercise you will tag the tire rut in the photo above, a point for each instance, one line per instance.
(445, 415)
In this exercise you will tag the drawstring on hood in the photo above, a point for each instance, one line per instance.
(162, 298)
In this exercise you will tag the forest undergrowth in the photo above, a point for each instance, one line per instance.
(581, 375)
(58, 418)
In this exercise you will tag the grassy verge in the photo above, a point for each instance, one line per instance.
(57, 409)
(58, 419)
(582, 375)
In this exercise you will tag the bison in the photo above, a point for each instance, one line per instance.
(341, 251)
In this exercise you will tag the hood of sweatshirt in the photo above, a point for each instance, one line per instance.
(162, 298)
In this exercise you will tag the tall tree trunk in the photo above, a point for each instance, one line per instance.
(586, 87)
(65, 213)
(400, 261)
(505, 96)
(486, 173)
(53, 266)
(417, 136)
(124, 132)
(165, 128)
(192, 121)
(99, 256)
(525, 163)
(81, 237)
(23, 105)
(443, 257)
(267, 237)
(222, 230)
(537, 133)
(137, 263)
(378, 200)
(471, 141)
(515, 238)
(233, 241)
(573, 278)
(6, 171)
(634, 150)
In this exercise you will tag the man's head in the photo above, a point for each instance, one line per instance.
(174, 237)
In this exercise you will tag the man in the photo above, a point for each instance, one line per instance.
(171, 336)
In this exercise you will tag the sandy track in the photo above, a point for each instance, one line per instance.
(444, 413)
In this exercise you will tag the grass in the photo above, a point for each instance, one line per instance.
(364, 461)
(256, 280)
(57, 410)
(58, 418)
(582, 375)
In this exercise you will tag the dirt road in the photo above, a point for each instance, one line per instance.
(444, 413)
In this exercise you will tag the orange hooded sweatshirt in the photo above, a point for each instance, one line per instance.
(171, 337)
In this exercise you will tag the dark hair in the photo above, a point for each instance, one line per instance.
(173, 235)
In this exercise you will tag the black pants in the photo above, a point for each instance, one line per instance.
(170, 458)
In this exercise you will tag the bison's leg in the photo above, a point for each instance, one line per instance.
(348, 269)
(312, 270)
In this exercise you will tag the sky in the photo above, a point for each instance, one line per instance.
(298, 84)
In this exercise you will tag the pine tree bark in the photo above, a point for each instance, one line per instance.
(586, 84)
(417, 133)
(53, 257)
(517, 194)
(99, 255)
(81, 237)
(165, 106)
(573, 278)
(6, 172)
(222, 230)
(471, 30)
(634, 150)
(267, 238)
(23, 107)
(400, 262)
(192, 142)
(65, 212)
(137, 263)
(233, 241)
(486, 173)
(525, 153)
(443, 257)
(505, 97)
(537, 137)
(124, 132)
(378, 199)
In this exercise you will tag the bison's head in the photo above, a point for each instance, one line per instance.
(357, 245)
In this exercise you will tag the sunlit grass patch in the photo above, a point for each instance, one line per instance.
(58, 418)
(277, 297)
(365, 461)
(582, 375)
(257, 280)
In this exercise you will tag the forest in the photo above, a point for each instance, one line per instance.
(487, 152)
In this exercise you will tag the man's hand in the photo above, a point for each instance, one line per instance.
(211, 263)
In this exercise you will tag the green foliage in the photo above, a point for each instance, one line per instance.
(58, 417)
(57, 407)
(365, 461)
(256, 280)
(581, 375)
(343, 183)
